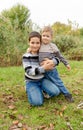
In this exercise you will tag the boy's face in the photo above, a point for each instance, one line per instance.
(34, 45)
(46, 37)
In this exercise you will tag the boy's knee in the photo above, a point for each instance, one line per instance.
(56, 92)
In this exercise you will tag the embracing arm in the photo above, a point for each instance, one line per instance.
(33, 68)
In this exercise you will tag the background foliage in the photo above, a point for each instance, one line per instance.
(14, 28)
(15, 25)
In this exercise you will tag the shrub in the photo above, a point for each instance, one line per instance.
(76, 54)
(13, 43)
(81, 31)
(66, 42)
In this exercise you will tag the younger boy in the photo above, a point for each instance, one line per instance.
(50, 50)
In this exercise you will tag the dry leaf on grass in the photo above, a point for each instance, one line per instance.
(11, 107)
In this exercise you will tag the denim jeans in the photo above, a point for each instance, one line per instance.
(53, 76)
(34, 91)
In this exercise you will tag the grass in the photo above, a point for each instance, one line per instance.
(55, 114)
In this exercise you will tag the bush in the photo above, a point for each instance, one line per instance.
(76, 54)
(13, 43)
(66, 42)
(81, 31)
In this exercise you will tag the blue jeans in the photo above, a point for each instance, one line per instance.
(53, 76)
(34, 91)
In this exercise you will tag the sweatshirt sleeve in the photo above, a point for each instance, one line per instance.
(31, 68)
(61, 58)
(56, 60)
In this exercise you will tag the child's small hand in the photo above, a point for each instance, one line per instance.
(68, 67)
(45, 61)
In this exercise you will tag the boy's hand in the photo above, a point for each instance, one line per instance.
(47, 61)
(68, 67)
(47, 64)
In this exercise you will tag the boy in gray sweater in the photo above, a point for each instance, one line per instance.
(48, 50)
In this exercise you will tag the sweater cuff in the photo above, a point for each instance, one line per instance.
(56, 61)
(39, 70)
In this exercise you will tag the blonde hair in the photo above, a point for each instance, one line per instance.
(47, 29)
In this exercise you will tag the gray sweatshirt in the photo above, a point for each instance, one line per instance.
(51, 51)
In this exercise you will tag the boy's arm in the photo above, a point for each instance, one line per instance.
(63, 60)
(56, 61)
(52, 62)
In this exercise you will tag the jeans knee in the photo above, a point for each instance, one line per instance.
(57, 92)
(37, 103)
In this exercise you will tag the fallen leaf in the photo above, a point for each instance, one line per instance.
(11, 107)
(76, 92)
(20, 125)
(20, 117)
(24, 128)
(61, 114)
(2, 115)
(64, 108)
(42, 127)
(51, 126)
(15, 122)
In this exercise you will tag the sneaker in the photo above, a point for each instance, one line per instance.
(69, 98)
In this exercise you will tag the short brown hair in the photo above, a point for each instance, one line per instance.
(47, 29)
(34, 34)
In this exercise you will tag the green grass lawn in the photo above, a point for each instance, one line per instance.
(55, 114)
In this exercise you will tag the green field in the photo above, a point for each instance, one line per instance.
(55, 114)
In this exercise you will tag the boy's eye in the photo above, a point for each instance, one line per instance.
(45, 35)
(38, 42)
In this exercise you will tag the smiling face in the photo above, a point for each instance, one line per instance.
(34, 45)
(46, 37)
